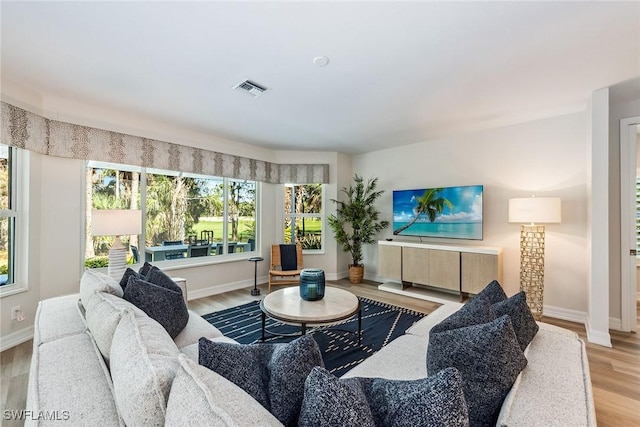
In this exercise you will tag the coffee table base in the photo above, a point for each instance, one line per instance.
(303, 328)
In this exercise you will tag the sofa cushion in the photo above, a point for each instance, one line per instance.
(273, 374)
(95, 281)
(71, 362)
(423, 326)
(489, 359)
(524, 324)
(58, 317)
(195, 329)
(144, 361)
(434, 401)
(200, 397)
(555, 387)
(476, 311)
(103, 314)
(161, 301)
(401, 359)
(493, 292)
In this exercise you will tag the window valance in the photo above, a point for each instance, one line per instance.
(27, 130)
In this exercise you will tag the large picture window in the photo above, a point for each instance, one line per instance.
(185, 215)
(304, 215)
(8, 215)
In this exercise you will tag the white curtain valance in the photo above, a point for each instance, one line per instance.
(23, 129)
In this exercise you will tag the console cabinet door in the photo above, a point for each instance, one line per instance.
(478, 270)
(415, 265)
(444, 269)
(390, 262)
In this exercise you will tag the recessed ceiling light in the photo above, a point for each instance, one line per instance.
(321, 61)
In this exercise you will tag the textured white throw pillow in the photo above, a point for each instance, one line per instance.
(103, 313)
(94, 281)
(201, 397)
(144, 361)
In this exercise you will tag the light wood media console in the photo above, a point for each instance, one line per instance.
(459, 269)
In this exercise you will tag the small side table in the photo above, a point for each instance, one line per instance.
(255, 260)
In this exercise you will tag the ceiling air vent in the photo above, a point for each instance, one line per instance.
(252, 88)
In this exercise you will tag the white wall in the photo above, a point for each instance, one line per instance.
(545, 158)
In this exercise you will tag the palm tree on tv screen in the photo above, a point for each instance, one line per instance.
(429, 204)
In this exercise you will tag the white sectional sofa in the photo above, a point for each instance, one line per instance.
(70, 381)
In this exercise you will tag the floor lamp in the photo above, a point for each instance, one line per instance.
(116, 222)
(531, 212)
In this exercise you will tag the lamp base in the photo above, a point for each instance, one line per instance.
(117, 262)
(532, 266)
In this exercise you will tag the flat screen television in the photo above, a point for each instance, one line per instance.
(448, 212)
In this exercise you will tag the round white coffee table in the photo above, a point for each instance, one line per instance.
(286, 306)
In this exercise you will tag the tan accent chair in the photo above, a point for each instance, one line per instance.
(288, 277)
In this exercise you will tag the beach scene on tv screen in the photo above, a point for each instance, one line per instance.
(449, 212)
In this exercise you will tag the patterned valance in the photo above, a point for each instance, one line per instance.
(23, 129)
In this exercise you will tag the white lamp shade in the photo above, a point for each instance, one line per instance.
(116, 222)
(535, 210)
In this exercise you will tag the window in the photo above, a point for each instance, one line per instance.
(304, 215)
(185, 215)
(8, 215)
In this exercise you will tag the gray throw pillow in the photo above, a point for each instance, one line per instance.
(329, 401)
(273, 374)
(476, 311)
(129, 273)
(489, 359)
(144, 270)
(159, 277)
(163, 304)
(524, 324)
(434, 401)
(493, 291)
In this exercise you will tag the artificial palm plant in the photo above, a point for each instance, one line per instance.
(356, 221)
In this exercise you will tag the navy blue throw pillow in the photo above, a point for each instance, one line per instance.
(273, 374)
(489, 359)
(144, 270)
(434, 401)
(493, 292)
(524, 324)
(125, 277)
(163, 304)
(476, 311)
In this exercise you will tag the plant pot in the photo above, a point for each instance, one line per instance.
(356, 273)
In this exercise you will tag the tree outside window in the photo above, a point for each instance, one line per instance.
(179, 208)
(303, 215)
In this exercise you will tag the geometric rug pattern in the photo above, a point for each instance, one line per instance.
(381, 323)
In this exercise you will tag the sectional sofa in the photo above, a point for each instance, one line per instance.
(99, 360)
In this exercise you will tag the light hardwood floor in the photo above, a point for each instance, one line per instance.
(615, 372)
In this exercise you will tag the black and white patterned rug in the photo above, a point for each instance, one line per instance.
(381, 323)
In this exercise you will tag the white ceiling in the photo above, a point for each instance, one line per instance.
(399, 72)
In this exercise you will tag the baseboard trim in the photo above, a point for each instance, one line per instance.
(598, 337)
(615, 323)
(565, 314)
(219, 289)
(15, 338)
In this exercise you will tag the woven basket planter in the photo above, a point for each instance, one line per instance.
(356, 273)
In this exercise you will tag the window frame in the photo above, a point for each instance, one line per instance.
(195, 261)
(18, 199)
(294, 215)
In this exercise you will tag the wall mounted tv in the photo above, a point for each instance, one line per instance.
(448, 212)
